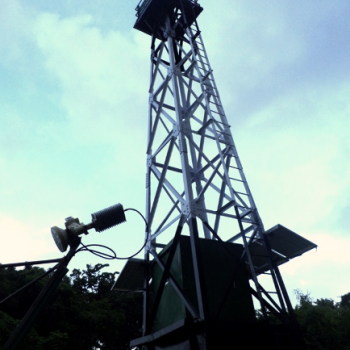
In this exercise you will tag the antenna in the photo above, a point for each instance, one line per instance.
(101, 221)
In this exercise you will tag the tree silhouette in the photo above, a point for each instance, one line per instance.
(82, 314)
(325, 324)
(85, 314)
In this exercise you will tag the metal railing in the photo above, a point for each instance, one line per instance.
(142, 5)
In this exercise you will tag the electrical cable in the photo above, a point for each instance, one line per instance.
(107, 256)
(146, 240)
(92, 251)
(140, 215)
(84, 247)
(96, 252)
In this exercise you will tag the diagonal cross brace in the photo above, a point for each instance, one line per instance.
(164, 278)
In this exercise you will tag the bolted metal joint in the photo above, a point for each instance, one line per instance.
(186, 209)
(176, 130)
(182, 145)
(149, 161)
(75, 227)
(148, 181)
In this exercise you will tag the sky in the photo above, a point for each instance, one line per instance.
(73, 123)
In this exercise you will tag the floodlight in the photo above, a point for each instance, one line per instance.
(60, 237)
(101, 221)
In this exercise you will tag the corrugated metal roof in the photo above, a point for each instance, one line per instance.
(132, 276)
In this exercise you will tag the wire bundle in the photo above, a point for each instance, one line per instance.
(106, 218)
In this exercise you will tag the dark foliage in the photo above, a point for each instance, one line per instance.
(82, 314)
(324, 323)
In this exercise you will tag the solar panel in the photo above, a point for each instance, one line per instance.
(260, 258)
(287, 242)
(285, 245)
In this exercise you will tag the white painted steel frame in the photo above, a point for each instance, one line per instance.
(193, 168)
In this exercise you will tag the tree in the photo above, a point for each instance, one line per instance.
(345, 301)
(325, 324)
(82, 314)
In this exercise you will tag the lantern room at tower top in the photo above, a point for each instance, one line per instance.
(150, 14)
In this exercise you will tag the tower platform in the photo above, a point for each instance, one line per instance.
(151, 15)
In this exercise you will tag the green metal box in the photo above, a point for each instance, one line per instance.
(220, 262)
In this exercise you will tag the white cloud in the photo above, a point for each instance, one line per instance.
(103, 77)
(291, 128)
(248, 45)
(24, 242)
(331, 251)
(14, 25)
(295, 155)
(322, 272)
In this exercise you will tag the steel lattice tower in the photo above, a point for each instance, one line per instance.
(196, 188)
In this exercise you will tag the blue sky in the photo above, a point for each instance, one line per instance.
(73, 97)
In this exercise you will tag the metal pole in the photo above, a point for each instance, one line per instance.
(43, 298)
